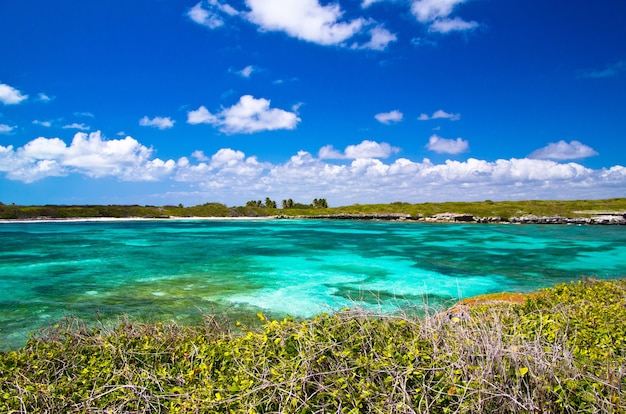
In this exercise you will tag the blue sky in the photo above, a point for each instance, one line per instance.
(356, 101)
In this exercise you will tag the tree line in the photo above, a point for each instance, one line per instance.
(289, 203)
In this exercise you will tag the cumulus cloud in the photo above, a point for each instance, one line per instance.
(564, 151)
(306, 20)
(91, 155)
(389, 117)
(361, 180)
(436, 14)
(247, 116)
(447, 146)
(157, 122)
(440, 114)
(76, 125)
(11, 96)
(6, 129)
(366, 149)
(363, 177)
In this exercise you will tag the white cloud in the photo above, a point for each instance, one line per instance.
(234, 177)
(210, 13)
(366, 149)
(430, 10)
(440, 114)
(157, 122)
(451, 25)
(247, 71)
(366, 3)
(379, 39)
(46, 124)
(90, 155)
(247, 116)
(76, 125)
(85, 114)
(43, 97)
(306, 20)
(201, 116)
(389, 117)
(199, 155)
(447, 146)
(11, 96)
(436, 14)
(564, 151)
(6, 129)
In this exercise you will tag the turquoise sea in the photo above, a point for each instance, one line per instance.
(181, 269)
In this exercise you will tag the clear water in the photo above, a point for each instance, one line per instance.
(179, 270)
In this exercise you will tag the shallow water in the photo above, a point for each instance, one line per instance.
(182, 269)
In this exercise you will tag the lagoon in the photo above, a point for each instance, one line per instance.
(182, 269)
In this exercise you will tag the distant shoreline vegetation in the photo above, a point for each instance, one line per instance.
(606, 211)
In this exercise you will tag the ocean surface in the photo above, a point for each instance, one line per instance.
(182, 269)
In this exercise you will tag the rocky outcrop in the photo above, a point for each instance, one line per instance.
(600, 219)
(373, 216)
(603, 219)
(451, 217)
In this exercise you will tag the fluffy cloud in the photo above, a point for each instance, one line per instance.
(6, 129)
(157, 122)
(436, 14)
(366, 149)
(379, 39)
(306, 20)
(247, 116)
(440, 114)
(90, 155)
(234, 177)
(564, 151)
(389, 117)
(11, 96)
(447, 146)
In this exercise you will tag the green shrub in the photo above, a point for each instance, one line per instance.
(563, 350)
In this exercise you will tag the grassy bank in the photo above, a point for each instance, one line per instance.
(561, 350)
(504, 209)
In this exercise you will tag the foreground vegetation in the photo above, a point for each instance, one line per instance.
(319, 207)
(561, 350)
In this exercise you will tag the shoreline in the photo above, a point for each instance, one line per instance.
(113, 219)
(445, 218)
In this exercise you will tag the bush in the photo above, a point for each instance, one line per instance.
(562, 350)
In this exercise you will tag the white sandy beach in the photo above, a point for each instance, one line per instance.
(108, 219)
